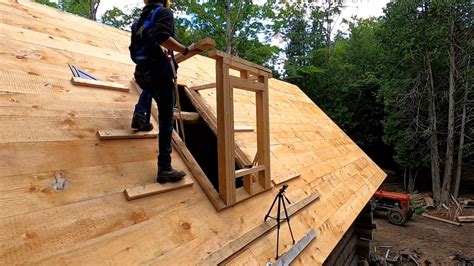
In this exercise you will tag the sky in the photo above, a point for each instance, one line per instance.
(361, 8)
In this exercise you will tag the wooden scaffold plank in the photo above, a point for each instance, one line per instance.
(155, 188)
(113, 134)
(99, 84)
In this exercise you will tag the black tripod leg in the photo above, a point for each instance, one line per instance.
(288, 221)
(278, 224)
(270, 210)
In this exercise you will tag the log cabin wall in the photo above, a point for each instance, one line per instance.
(355, 244)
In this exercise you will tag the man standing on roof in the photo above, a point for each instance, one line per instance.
(152, 49)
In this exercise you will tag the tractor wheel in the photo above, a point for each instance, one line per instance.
(397, 216)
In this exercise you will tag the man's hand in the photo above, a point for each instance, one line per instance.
(192, 48)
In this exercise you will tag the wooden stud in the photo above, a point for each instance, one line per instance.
(245, 84)
(99, 84)
(155, 188)
(225, 133)
(113, 134)
(235, 245)
(249, 171)
(244, 74)
(244, 193)
(188, 116)
(263, 134)
(243, 129)
(216, 54)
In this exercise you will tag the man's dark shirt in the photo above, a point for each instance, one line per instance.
(153, 37)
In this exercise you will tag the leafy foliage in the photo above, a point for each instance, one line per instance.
(117, 18)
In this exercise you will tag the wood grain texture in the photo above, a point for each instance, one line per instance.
(99, 84)
(234, 246)
(113, 134)
(155, 188)
(90, 221)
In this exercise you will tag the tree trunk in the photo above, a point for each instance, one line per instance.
(412, 180)
(448, 161)
(457, 179)
(93, 7)
(228, 15)
(435, 174)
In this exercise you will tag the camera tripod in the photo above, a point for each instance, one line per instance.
(281, 200)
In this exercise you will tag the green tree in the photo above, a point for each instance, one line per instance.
(115, 17)
(237, 26)
(84, 8)
(424, 43)
(47, 2)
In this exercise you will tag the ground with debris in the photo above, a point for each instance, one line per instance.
(431, 240)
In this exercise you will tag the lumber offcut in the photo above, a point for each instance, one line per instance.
(243, 129)
(99, 84)
(466, 219)
(196, 48)
(440, 219)
(235, 245)
(190, 117)
(277, 180)
(155, 188)
(125, 134)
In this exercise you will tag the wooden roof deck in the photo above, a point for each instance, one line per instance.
(50, 125)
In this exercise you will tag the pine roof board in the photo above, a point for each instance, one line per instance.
(50, 125)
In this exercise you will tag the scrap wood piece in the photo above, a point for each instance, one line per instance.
(293, 253)
(440, 219)
(155, 188)
(188, 116)
(277, 180)
(466, 219)
(111, 134)
(99, 84)
(456, 202)
(468, 202)
(238, 244)
(196, 48)
(429, 203)
(203, 87)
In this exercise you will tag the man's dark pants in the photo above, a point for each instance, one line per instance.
(162, 90)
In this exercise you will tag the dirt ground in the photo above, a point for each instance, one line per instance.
(433, 241)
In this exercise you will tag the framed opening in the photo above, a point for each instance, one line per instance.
(202, 143)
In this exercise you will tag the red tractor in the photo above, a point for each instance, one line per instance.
(395, 205)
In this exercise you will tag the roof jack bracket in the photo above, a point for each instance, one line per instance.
(77, 72)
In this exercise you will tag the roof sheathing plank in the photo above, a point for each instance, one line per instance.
(157, 229)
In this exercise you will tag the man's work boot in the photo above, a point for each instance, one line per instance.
(171, 175)
(139, 123)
